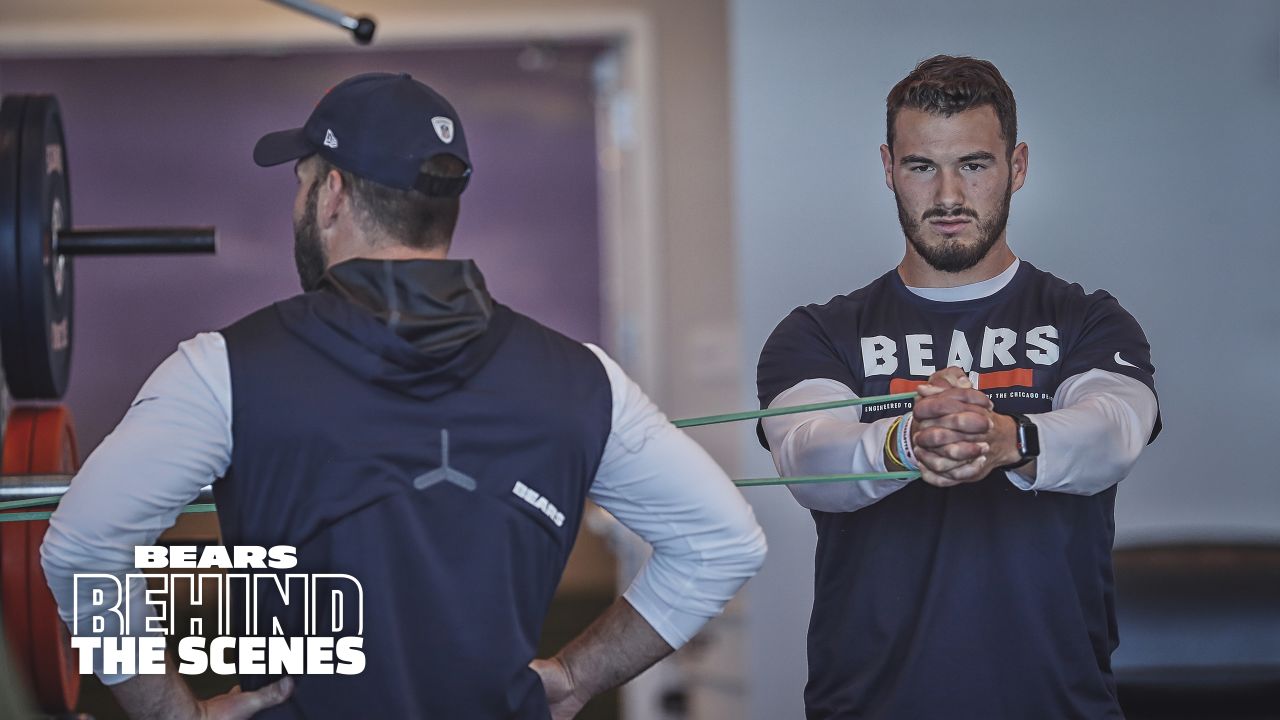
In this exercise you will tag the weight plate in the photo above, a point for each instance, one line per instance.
(13, 549)
(45, 282)
(55, 676)
(11, 114)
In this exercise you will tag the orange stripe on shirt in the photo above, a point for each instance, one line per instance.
(904, 385)
(1018, 377)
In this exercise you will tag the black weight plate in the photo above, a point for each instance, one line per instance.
(10, 145)
(44, 277)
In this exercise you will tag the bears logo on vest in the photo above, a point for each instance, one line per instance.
(531, 496)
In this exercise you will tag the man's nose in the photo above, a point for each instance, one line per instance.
(950, 190)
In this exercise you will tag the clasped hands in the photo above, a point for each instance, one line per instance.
(957, 436)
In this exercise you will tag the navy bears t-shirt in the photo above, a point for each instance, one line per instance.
(981, 600)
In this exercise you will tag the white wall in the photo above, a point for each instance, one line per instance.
(1154, 173)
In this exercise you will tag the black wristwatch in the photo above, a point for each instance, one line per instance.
(1028, 441)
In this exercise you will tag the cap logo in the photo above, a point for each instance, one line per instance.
(444, 129)
(329, 140)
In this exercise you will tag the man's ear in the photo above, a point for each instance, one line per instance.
(886, 157)
(332, 196)
(1018, 166)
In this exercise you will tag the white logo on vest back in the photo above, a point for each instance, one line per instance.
(531, 496)
(445, 473)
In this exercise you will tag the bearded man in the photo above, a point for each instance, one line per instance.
(397, 425)
(983, 589)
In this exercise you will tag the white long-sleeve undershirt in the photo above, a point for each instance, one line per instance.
(1089, 441)
(177, 437)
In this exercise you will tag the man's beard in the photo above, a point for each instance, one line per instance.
(952, 255)
(308, 253)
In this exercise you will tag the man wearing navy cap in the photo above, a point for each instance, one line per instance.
(396, 424)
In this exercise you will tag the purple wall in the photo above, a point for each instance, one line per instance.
(167, 140)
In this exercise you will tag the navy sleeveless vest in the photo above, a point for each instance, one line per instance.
(400, 427)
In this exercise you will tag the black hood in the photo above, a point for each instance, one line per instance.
(414, 326)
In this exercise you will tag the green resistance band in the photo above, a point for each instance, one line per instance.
(815, 479)
(688, 422)
(45, 514)
(792, 410)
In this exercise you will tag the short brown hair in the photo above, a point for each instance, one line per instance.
(946, 85)
(406, 216)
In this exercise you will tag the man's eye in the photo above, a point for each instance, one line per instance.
(921, 168)
(973, 167)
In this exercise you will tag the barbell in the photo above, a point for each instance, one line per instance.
(38, 243)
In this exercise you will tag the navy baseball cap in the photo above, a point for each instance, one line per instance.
(380, 126)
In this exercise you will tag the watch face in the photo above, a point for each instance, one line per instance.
(1028, 438)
